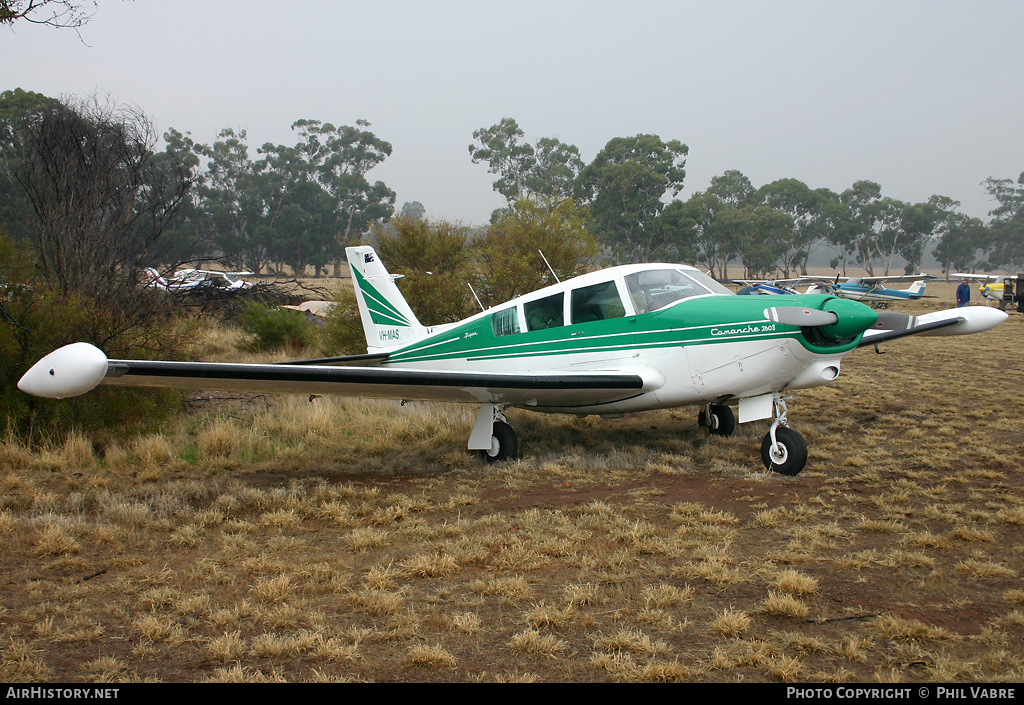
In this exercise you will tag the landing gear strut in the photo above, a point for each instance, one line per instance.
(783, 450)
(492, 435)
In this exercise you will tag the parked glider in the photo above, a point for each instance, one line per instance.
(625, 339)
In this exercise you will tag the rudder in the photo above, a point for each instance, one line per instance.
(388, 321)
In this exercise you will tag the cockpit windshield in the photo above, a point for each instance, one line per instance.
(654, 289)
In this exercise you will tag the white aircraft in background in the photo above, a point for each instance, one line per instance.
(191, 279)
(626, 339)
(869, 289)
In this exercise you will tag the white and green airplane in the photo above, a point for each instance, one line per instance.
(625, 339)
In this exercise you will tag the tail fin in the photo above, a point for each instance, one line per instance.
(917, 287)
(152, 278)
(388, 322)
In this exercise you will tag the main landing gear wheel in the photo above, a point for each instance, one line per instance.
(788, 455)
(718, 419)
(504, 444)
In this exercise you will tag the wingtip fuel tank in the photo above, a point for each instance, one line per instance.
(66, 372)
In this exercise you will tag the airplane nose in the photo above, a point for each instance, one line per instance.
(854, 319)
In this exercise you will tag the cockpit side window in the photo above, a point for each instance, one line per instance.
(657, 288)
(545, 313)
(596, 303)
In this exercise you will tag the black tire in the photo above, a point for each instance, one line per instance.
(504, 444)
(722, 421)
(791, 455)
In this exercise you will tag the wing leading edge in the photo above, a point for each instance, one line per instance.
(77, 368)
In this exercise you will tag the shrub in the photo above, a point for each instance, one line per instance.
(35, 319)
(342, 331)
(273, 327)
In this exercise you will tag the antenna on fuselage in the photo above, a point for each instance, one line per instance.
(550, 269)
(475, 296)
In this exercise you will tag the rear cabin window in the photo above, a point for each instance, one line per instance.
(505, 322)
(545, 313)
(596, 303)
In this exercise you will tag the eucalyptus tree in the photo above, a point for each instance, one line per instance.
(763, 236)
(804, 207)
(711, 249)
(1007, 223)
(961, 243)
(435, 259)
(304, 230)
(507, 154)
(626, 187)
(347, 154)
(545, 170)
(17, 109)
(414, 210)
(707, 243)
(877, 221)
(838, 226)
(299, 204)
(529, 246)
(187, 234)
(235, 195)
(733, 188)
(921, 224)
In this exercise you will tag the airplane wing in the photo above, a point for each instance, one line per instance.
(954, 321)
(991, 277)
(79, 367)
(752, 282)
(891, 278)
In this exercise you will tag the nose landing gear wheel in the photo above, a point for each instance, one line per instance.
(788, 455)
(504, 444)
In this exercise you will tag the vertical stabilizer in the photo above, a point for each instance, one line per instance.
(388, 322)
(917, 287)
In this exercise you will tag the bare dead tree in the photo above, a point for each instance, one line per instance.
(102, 199)
(101, 196)
(62, 14)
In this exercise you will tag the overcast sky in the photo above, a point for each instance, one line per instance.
(922, 97)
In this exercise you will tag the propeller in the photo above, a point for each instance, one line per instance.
(799, 316)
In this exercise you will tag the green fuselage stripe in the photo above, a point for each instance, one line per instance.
(381, 312)
(704, 321)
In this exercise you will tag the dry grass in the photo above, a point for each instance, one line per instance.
(278, 539)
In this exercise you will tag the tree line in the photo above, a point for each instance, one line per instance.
(630, 190)
(299, 205)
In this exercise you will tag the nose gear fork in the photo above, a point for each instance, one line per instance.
(781, 414)
(783, 450)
